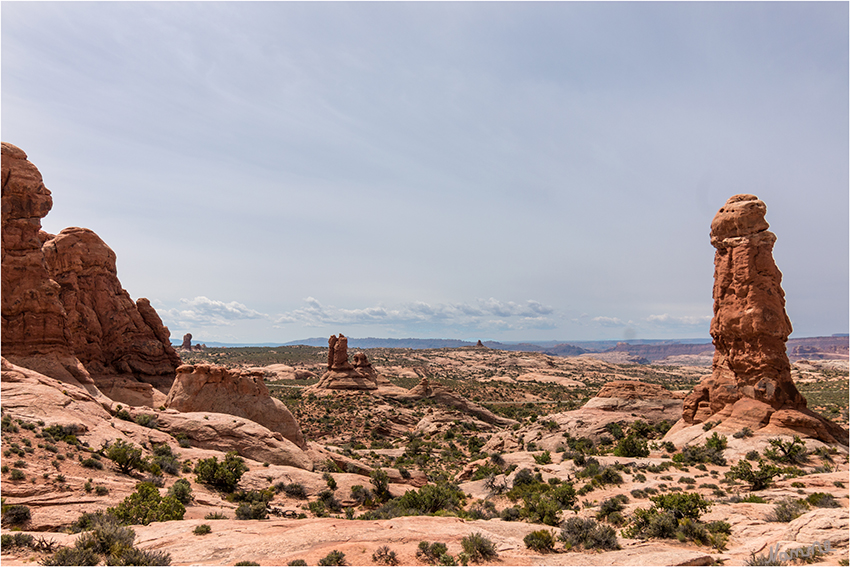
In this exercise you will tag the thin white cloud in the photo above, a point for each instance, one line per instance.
(667, 319)
(482, 312)
(609, 321)
(203, 311)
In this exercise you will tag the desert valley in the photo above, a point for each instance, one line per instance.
(121, 449)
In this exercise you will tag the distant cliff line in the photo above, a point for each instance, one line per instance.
(651, 349)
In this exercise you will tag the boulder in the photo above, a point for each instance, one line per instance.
(226, 432)
(205, 388)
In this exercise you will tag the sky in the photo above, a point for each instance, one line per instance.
(272, 171)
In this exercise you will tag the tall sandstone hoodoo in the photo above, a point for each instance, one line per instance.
(64, 312)
(751, 383)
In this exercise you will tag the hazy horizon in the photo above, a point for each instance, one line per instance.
(270, 171)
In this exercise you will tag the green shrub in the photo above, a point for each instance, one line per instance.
(333, 558)
(92, 464)
(252, 511)
(136, 556)
(745, 432)
(223, 475)
(610, 506)
(786, 510)
(101, 490)
(297, 563)
(72, 556)
(329, 479)
(432, 498)
(146, 505)
(431, 552)
(181, 490)
(753, 498)
(202, 529)
(146, 420)
(126, 456)
(544, 458)
(478, 547)
(165, 459)
(542, 541)
(385, 556)
(293, 490)
(16, 515)
(788, 452)
(632, 446)
(758, 479)
(822, 500)
(381, 481)
(361, 495)
(215, 516)
(255, 564)
(586, 533)
(17, 474)
(510, 514)
(106, 536)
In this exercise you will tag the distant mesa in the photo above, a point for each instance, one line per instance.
(751, 384)
(64, 312)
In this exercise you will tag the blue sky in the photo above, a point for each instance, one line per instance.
(513, 171)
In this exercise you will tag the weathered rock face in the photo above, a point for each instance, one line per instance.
(751, 381)
(65, 313)
(33, 316)
(108, 332)
(205, 388)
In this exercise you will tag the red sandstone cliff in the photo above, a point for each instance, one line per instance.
(62, 303)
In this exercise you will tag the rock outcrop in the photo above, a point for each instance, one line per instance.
(64, 312)
(750, 385)
(34, 320)
(439, 393)
(341, 374)
(107, 330)
(205, 388)
(187, 341)
(621, 401)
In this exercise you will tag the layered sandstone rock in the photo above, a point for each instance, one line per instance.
(205, 388)
(108, 331)
(342, 375)
(34, 320)
(751, 383)
(64, 312)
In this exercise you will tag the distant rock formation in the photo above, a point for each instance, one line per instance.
(187, 341)
(342, 375)
(205, 388)
(751, 383)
